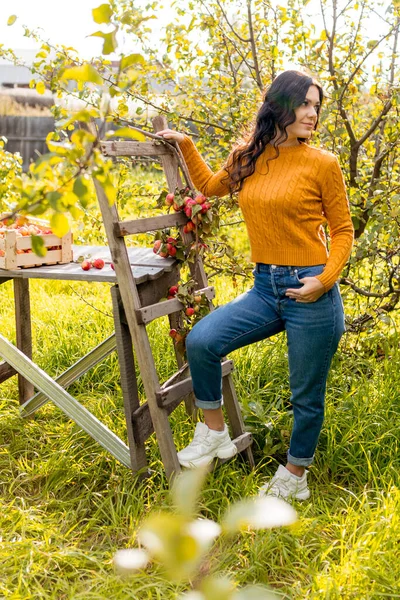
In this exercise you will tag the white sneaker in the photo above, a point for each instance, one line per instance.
(286, 485)
(206, 445)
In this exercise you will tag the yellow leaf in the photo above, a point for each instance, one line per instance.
(83, 73)
(131, 59)
(59, 224)
(127, 132)
(102, 14)
(76, 213)
(40, 87)
(69, 199)
(110, 41)
(11, 20)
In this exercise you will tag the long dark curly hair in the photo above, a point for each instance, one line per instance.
(287, 92)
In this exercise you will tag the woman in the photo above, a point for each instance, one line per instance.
(287, 189)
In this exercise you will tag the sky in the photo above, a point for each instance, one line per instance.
(70, 23)
(66, 23)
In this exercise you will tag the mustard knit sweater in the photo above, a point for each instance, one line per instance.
(285, 206)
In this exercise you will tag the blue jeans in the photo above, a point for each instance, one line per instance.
(313, 333)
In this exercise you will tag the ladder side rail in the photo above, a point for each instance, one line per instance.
(131, 303)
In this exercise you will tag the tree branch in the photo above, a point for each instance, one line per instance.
(235, 33)
(253, 47)
(365, 57)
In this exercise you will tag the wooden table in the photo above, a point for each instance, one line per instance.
(152, 274)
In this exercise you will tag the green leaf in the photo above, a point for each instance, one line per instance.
(59, 224)
(132, 59)
(196, 209)
(160, 202)
(38, 245)
(186, 490)
(11, 20)
(385, 318)
(83, 73)
(102, 14)
(127, 132)
(81, 190)
(54, 199)
(110, 40)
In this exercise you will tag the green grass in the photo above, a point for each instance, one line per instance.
(66, 506)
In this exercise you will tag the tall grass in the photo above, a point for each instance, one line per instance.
(66, 505)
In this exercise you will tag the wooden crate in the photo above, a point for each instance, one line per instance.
(14, 255)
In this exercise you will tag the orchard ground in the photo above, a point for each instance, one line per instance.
(67, 506)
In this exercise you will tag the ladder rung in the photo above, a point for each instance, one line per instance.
(131, 227)
(129, 148)
(177, 376)
(142, 423)
(154, 311)
(241, 442)
(177, 391)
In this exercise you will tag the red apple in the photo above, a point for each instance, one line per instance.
(86, 265)
(200, 199)
(112, 266)
(189, 227)
(171, 249)
(189, 311)
(173, 290)
(98, 263)
(157, 246)
(169, 199)
(173, 333)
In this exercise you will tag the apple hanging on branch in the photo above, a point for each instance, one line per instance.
(198, 211)
(195, 307)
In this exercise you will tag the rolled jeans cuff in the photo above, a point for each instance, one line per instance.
(208, 405)
(299, 462)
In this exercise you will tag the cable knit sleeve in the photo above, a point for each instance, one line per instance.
(337, 212)
(207, 182)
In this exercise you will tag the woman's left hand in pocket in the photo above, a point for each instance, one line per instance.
(310, 292)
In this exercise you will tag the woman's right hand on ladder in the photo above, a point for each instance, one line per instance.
(170, 134)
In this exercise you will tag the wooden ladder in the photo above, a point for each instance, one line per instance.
(133, 311)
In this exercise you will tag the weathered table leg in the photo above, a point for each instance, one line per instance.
(24, 332)
(128, 381)
(6, 371)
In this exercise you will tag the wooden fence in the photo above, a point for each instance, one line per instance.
(26, 135)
